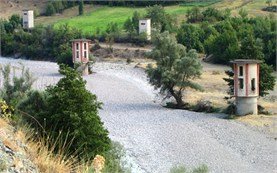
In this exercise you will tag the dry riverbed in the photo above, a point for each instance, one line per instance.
(156, 138)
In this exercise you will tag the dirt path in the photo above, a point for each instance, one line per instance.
(127, 46)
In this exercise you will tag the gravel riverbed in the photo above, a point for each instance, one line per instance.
(156, 138)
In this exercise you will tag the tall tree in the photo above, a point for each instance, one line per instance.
(252, 49)
(176, 67)
(159, 18)
(81, 7)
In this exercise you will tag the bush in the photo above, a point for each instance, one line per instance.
(50, 9)
(69, 112)
(204, 106)
(182, 169)
(16, 88)
(231, 109)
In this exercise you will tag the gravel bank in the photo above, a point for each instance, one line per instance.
(156, 138)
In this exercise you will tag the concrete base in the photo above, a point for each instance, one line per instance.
(247, 105)
(83, 69)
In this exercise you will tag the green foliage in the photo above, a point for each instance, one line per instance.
(15, 88)
(243, 13)
(112, 28)
(182, 169)
(34, 104)
(176, 68)
(131, 25)
(5, 110)
(160, 20)
(43, 43)
(194, 15)
(224, 47)
(212, 14)
(269, 3)
(178, 169)
(267, 79)
(81, 7)
(114, 159)
(201, 169)
(50, 9)
(59, 7)
(189, 36)
(204, 106)
(70, 112)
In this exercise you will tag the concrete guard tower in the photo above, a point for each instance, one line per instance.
(28, 19)
(145, 26)
(246, 85)
(80, 54)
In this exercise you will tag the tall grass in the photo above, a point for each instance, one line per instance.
(50, 155)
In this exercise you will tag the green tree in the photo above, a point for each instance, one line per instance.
(189, 36)
(267, 80)
(252, 49)
(128, 26)
(159, 18)
(81, 7)
(176, 68)
(135, 21)
(69, 112)
(223, 48)
(50, 9)
(58, 5)
(194, 15)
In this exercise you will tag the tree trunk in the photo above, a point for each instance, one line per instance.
(178, 98)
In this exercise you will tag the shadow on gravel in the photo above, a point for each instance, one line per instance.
(123, 107)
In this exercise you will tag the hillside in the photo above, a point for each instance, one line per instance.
(99, 16)
(9, 7)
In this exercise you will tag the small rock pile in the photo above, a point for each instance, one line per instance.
(13, 152)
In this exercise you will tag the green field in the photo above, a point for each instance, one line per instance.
(101, 16)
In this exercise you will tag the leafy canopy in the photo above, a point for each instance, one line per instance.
(176, 68)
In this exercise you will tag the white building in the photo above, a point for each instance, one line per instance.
(28, 19)
(145, 27)
(80, 53)
(246, 85)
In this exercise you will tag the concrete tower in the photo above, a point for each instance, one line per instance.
(246, 85)
(145, 26)
(80, 54)
(28, 19)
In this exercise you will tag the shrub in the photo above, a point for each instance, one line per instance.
(16, 88)
(69, 112)
(50, 10)
(182, 169)
(204, 106)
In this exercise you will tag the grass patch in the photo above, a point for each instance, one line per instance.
(182, 169)
(100, 16)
